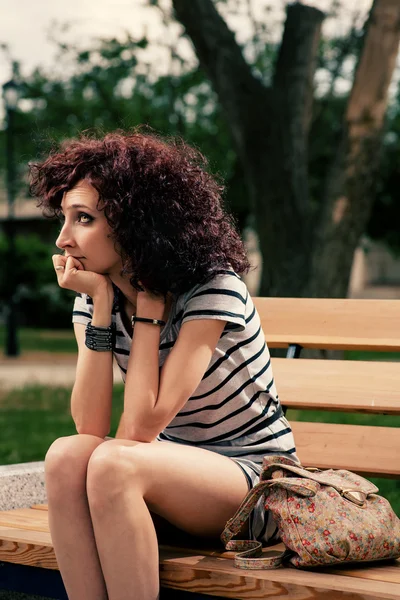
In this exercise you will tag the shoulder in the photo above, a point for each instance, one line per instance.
(224, 297)
(225, 283)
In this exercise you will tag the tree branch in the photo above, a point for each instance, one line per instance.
(221, 58)
(293, 88)
(296, 63)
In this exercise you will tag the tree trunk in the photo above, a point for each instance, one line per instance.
(283, 213)
(270, 130)
(269, 127)
(350, 185)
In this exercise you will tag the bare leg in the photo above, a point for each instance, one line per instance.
(195, 490)
(69, 517)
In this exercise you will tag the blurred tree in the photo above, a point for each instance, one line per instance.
(311, 247)
(39, 299)
(109, 85)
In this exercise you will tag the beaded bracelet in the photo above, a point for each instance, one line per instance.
(99, 339)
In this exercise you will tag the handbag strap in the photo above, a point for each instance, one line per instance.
(249, 551)
(234, 525)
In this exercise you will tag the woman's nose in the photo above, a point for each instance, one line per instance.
(64, 238)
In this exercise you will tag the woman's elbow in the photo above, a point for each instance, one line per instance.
(142, 432)
(92, 429)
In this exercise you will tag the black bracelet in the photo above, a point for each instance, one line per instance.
(99, 339)
(135, 319)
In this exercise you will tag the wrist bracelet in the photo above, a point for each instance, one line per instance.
(135, 319)
(99, 339)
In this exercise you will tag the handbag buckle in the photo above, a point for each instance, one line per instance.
(355, 496)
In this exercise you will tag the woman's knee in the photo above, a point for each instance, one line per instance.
(67, 459)
(110, 468)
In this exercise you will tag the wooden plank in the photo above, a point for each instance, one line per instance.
(331, 323)
(219, 577)
(372, 451)
(216, 575)
(345, 385)
(283, 340)
(25, 547)
(390, 572)
(25, 518)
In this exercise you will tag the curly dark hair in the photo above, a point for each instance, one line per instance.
(165, 209)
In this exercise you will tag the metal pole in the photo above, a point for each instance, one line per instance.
(12, 346)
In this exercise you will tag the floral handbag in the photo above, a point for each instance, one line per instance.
(324, 518)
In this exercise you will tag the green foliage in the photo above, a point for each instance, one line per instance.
(29, 272)
(31, 263)
(111, 84)
(383, 224)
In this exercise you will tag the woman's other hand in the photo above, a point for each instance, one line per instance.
(150, 306)
(71, 275)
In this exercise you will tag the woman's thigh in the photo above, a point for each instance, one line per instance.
(193, 489)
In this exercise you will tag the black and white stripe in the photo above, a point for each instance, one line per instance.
(235, 410)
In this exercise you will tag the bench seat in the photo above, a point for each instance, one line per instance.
(363, 387)
(210, 571)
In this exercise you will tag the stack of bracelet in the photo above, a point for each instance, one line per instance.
(99, 339)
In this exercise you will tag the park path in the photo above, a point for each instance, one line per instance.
(40, 368)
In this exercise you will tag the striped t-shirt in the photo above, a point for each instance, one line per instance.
(235, 410)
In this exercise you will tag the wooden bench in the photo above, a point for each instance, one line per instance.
(369, 387)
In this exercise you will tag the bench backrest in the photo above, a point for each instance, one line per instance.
(338, 324)
(367, 387)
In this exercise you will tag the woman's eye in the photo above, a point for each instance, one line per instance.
(84, 218)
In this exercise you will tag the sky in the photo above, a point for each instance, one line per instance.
(26, 26)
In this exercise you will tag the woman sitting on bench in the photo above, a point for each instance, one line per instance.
(156, 263)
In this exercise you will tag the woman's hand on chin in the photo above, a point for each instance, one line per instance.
(71, 275)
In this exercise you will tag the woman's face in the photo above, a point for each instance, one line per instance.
(85, 234)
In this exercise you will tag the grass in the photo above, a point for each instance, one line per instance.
(43, 340)
(63, 340)
(32, 418)
(364, 355)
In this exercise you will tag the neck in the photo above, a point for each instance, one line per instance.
(124, 285)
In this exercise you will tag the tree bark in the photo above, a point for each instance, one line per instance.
(304, 252)
(269, 127)
(283, 212)
(350, 185)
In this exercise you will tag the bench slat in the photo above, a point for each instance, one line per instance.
(283, 340)
(25, 518)
(371, 451)
(346, 385)
(391, 572)
(202, 574)
(331, 323)
(213, 573)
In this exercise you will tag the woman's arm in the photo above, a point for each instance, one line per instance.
(92, 392)
(151, 400)
(142, 377)
(91, 399)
